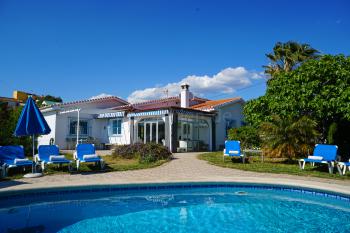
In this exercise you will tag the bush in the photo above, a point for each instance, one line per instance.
(247, 135)
(128, 151)
(332, 130)
(8, 122)
(288, 137)
(146, 153)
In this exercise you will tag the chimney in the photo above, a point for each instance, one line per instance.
(185, 95)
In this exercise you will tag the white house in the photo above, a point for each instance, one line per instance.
(182, 123)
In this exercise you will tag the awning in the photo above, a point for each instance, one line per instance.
(189, 112)
(149, 113)
(110, 115)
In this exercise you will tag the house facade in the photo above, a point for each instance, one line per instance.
(182, 123)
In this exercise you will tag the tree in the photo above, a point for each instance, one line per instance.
(286, 137)
(49, 98)
(257, 111)
(319, 89)
(247, 135)
(287, 56)
(8, 122)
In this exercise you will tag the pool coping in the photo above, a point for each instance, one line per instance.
(13, 194)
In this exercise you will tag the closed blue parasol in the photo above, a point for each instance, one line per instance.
(31, 122)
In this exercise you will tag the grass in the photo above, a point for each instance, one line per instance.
(112, 164)
(279, 166)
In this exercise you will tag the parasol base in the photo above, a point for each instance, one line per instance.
(33, 175)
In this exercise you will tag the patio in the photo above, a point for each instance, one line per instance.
(185, 167)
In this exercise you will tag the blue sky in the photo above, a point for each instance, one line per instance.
(137, 49)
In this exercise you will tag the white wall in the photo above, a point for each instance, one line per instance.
(124, 138)
(61, 131)
(99, 130)
(232, 111)
(59, 123)
(51, 121)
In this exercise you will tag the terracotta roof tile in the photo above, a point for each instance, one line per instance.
(211, 104)
(149, 104)
(109, 98)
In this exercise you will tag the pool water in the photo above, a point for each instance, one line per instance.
(189, 208)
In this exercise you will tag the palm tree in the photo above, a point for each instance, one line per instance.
(288, 138)
(287, 56)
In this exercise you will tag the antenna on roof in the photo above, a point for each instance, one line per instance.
(166, 91)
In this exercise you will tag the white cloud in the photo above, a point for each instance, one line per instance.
(226, 81)
(102, 95)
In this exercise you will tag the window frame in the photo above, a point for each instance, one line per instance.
(118, 129)
(72, 120)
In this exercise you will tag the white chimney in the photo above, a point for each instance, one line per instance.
(185, 95)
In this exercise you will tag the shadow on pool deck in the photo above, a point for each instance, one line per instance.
(9, 183)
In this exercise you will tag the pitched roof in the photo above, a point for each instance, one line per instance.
(163, 100)
(151, 104)
(95, 100)
(210, 105)
(195, 98)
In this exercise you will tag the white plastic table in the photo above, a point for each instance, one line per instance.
(254, 151)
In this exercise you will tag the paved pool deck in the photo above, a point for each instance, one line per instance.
(185, 167)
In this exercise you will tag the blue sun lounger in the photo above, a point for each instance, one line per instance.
(326, 154)
(13, 156)
(233, 149)
(50, 154)
(85, 153)
(342, 166)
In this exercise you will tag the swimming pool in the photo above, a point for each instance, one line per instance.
(197, 207)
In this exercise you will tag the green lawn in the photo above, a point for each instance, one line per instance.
(270, 165)
(112, 164)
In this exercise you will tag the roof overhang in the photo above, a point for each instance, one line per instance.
(240, 100)
(77, 104)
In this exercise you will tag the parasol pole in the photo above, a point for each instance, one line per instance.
(33, 167)
(78, 126)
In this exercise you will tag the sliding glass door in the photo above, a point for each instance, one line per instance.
(151, 130)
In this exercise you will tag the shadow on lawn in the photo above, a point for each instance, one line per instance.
(92, 169)
(283, 161)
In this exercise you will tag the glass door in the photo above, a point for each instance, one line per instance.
(148, 132)
(151, 131)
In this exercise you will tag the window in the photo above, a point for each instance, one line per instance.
(116, 126)
(83, 127)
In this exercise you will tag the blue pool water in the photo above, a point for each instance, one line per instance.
(180, 208)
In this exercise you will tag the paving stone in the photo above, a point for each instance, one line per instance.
(185, 167)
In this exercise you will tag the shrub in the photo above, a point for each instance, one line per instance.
(8, 122)
(288, 138)
(126, 151)
(247, 135)
(146, 153)
(152, 152)
(332, 130)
